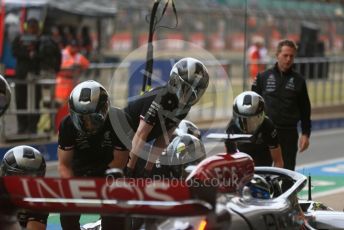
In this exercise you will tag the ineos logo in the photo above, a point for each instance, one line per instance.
(122, 190)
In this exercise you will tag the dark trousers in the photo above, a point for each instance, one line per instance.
(27, 122)
(71, 222)
(288, 139)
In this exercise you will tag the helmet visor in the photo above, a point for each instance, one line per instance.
(249, 124)
(88, 123)
(185, 92)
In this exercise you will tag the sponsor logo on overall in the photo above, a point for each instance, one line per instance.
(271, 83)
(290, 84)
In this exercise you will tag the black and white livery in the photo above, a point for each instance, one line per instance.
(248, 111)
(89, 106)
(23, 160)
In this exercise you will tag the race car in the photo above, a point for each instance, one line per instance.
(219, 193)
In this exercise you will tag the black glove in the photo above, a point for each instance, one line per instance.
(147, 173)
(129, 172)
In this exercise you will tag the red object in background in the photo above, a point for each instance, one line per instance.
(236, 41)
(294, 37)
(143, 39)
(198, 39)
(276, 37)
(217, 42)
(230, 172)
(61, 113)
(121, 42)
(175, 41)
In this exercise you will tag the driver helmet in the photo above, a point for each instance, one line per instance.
(259, 187)
(5, 95)
(183, 151)
(189, 79)
(89, 106)
(248, 111)
(23, 160)
(187, 127)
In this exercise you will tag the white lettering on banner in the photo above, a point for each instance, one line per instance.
(226, 176)
(78, 190)
(40, 185)
(88, 193)
(26, 189)
(151, 191)
(121, 187)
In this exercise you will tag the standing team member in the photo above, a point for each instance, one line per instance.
(87, 143)
(286, 102)
(25, 49)
(156, 114)
(73, 62)
(24, 160)
(249, 118)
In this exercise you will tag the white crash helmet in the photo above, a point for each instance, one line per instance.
(5, 95)
(189, 79)
(248, 111)
(183, 151)
(187, 127)
(89, 106)
(23, 160)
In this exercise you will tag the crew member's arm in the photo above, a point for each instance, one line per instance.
(276, 155)
(257, 84)
(84, 62)
(138, 142)
(120, 159)
(305, 113)
(65, 162)
(35, 225)
(159, 145)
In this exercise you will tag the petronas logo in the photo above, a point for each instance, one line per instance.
(271, 83)
(290, 84)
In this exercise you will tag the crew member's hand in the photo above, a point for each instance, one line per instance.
(279, 164)
(303, 143)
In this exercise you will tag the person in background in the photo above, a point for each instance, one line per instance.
(24, 160)
(256, 53)
(249, 118)
(73, 63)
(85, 42)
(25, 50)
(88, 145)
(286, 102)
